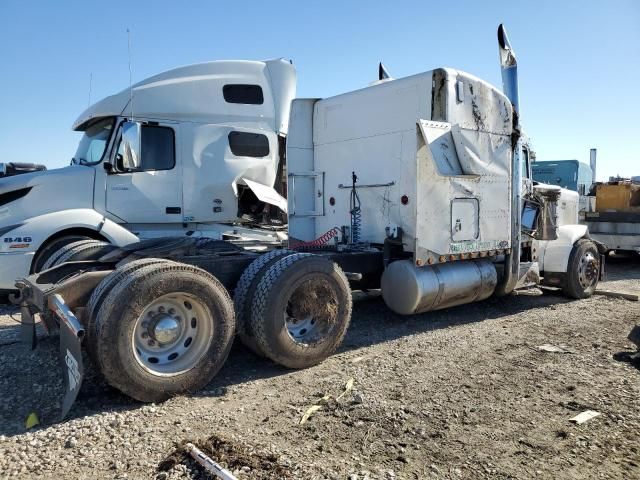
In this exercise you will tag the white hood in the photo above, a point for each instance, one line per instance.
(49, 191)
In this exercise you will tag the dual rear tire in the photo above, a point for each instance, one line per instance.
(297, 310)
(158, 328)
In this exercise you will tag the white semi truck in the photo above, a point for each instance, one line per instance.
(419, 186)
(205, 130)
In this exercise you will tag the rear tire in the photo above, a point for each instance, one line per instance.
(102, 290)
(243, 296)
(301, 310)
(583, 270)
(135, 302)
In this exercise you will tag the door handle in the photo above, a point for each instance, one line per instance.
(173, 210)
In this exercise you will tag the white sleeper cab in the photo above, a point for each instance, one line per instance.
(204, 130)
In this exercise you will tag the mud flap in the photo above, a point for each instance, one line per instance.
(73, 370)
(71, 335)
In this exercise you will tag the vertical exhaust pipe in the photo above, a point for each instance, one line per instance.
(383, 73)
(509, 67)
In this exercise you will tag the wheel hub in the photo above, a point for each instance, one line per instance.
(172, 334)
(588, 270)
(165, 330)
(310, 312)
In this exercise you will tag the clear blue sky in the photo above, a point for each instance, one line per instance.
(579, 61)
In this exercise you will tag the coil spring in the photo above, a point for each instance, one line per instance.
(318, 242)
(356, 224)
(356, 213)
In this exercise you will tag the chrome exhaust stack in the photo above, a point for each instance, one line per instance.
(509, 66)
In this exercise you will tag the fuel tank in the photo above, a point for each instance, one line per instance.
(407, 289)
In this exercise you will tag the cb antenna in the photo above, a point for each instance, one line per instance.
(130, 75)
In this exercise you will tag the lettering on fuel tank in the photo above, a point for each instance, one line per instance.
(471, 246)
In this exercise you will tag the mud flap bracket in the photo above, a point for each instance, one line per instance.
(28, 335)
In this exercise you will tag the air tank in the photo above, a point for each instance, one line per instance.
(407, 289)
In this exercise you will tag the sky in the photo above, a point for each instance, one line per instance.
(578, 61)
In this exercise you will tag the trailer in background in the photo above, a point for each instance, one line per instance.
(616, 219)
(569, 174)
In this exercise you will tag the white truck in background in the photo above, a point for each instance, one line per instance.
(205, 130)
(420, 186)
(10, 169)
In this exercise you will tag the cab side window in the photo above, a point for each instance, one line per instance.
(524, 165)
(158, 148)
(246, 144)
(245, 94)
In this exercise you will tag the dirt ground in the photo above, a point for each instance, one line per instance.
(462, 393)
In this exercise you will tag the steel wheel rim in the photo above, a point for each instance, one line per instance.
(587, 270)
(172, 334)
(307, 326)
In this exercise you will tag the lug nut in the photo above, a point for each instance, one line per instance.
(172, 311)
(145, 335)
(151, 343)
(161, 309)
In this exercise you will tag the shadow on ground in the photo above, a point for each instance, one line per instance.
(623, 266)
(31, 381)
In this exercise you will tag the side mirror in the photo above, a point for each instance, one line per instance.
(131, 145)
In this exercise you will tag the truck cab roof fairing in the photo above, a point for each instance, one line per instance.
(178, 94)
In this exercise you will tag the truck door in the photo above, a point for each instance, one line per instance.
(153, 192)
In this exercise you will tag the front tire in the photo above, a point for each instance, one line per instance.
(163, 330)
(583, 270)
(76, 251)
(53, 248)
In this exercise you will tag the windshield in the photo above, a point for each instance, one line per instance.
(94, 142)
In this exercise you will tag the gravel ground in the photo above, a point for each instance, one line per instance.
(460, 393)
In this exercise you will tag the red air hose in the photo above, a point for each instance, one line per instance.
(321, 241)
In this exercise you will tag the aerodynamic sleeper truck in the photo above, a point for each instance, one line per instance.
(204, 131)
(419, 186)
